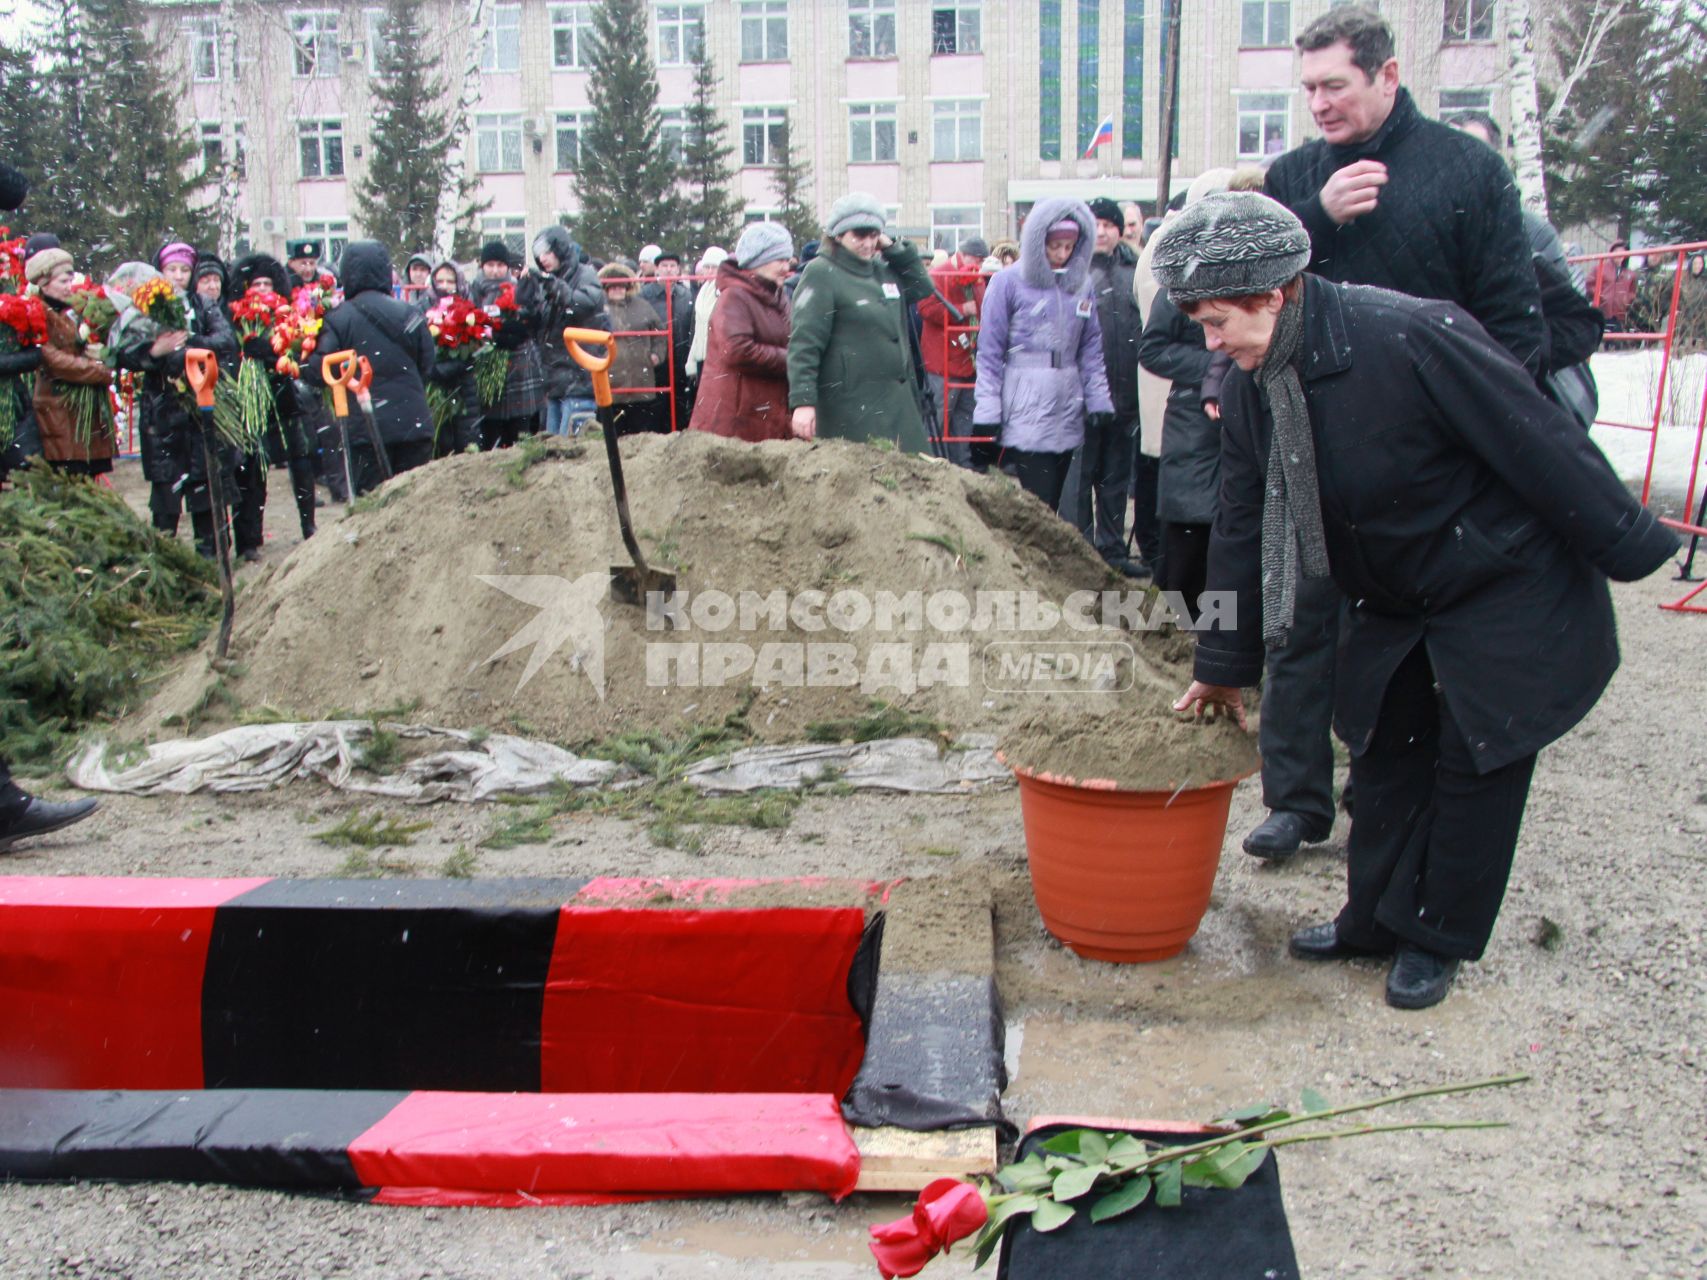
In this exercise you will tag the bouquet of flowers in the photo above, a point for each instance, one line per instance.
(461, 331)
(159, 302)
(91, 406)
(11, 262)
(296, 329)
(243, 415)
(23, 324)
(492, 363)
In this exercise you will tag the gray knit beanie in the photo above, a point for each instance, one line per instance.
(1230, 244)
(855, 211)
(763, 242)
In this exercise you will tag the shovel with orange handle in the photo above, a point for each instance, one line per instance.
(345, 373)
(629, 584)
(201, 368)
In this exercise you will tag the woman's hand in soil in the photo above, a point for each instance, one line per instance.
(1211, 700)
(805, 422)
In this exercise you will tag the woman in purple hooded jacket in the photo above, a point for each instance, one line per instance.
(1040, 367)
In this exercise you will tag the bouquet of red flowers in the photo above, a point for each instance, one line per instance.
(243, 414)
(91, 405)
(492, 363)
(23, 324)
(11, 262)
(461, 331)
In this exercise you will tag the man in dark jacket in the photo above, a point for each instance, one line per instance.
(1393, 199)
(572, 297)
(288, 441)
(668, 285)
(393, 336)
(517, 411)
(1389, 442)
(1101, 475)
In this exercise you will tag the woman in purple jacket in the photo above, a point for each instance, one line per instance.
(1040, 367)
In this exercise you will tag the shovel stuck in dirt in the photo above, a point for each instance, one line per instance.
(346, 372)
(201, 368)
(629, 584)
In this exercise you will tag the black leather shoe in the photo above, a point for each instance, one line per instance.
(1128, 566)
(42, 816)
(1280, 834)
(1322, 942)
(1419, 979)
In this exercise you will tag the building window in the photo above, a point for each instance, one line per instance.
(498, 143)
(871, 28)
(570, 125)
(1049, 80)
(571, 29)
(1263, 121)
(764, 30)
(958, 27)
(321, 145)
(1466, 100)
(374, 20)
(681, 33)
(758, 215)
(1132, 84)
(871, 132)
(510, 228)
(213, 146)
(1090, 70)
(672, 133)
(951, 225)
(333, 235)
(314, 37)
(957, 129)
(203, 35)
(1469, 20)
(1265, 24)
(764, 135)
(502, 49)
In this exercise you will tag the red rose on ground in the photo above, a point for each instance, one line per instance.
(947, 1210)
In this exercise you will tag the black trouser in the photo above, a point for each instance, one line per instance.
(165, 503)
(252, 498)
(403, 457)
(1101, 485)
(1431, 850)
(1183, 563)
(501, 433)
(1146, 479)
(1295, 736)
(13, 800)
(1042, 474)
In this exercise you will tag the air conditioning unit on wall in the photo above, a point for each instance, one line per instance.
(273, 226)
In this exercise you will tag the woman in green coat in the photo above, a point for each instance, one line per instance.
(850, 363)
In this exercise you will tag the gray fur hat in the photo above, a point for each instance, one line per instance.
(1225, 245)
(855, 211)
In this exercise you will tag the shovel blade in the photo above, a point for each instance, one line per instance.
(628, 585)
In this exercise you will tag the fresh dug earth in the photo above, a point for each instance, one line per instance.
(1595, 983)
(1130, 747)
(391, 606)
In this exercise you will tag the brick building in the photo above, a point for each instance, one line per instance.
(957, 114)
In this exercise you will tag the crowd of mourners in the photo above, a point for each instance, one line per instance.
(1351, 389)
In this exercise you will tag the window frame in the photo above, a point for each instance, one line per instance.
(493, 124)
(572, 122)
(373, 29)
(680, 24)
(325, 27)
(1484, 98)
(874, 12)
(1470, 11)
(764, 14)
(491, 48)
(574, 18)
(1246, 103)
(330, 232)
(875, 114)
(197, 32)
(1268, 10)
(770, 119)
(957, 112)
(211, 131)
(511, 228)
(321, 130)
(970, 229)
(959, 9)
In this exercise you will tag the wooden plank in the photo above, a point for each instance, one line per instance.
(894, 1159)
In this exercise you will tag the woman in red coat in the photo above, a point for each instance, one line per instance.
(743, 384)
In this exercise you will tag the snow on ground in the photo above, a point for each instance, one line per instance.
(1629, 383)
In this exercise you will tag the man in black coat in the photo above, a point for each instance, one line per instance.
(572, 297)
(393, 335)
(1390, 442)
(1393, 199)
(678, 318)
(288, 442)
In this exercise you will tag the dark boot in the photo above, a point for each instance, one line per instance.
(42, 816)
(1279, 835)
(1322, 942)
(1419, 979)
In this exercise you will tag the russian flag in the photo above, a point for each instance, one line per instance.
(1104, 133)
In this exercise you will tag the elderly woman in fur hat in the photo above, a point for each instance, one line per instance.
(1389, 443)
(81, 448)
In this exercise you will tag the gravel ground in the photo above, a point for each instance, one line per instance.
(1611, 1020)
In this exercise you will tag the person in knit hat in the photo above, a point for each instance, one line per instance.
(851, 371)
(79, 444)
(1390, 443)
(520, 407)
(640, 351)
(744, 384)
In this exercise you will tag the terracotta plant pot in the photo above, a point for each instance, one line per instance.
(1122, 875)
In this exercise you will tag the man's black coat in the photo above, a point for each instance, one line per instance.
(1447, 225)
(1462, 508)
(393, 336)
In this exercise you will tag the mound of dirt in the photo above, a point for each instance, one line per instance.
(816, 581)
(1131, 747)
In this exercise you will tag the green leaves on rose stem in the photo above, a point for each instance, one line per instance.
(1049, 1215)
(1226, 1166)
(1123, 1199)
(1254, 1116)
(1168, 1185)
(1072, 1183)
(1029, 1174)
(991, 1234)
(1314, 1103)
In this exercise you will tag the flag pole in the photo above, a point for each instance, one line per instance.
(1170, 94)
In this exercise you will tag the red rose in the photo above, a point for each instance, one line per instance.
(947, 1210)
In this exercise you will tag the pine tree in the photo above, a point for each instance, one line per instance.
(148, 178)
(66, 183)
(793, 180)
(26, 128)
(627, 178)
(712, 214)
(412, 161)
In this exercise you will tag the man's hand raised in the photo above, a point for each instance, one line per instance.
(1353, 191)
